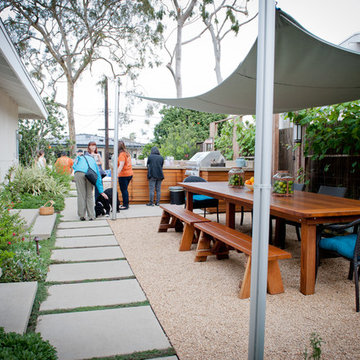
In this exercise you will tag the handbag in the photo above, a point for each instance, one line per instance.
(90, 175)
(102, 171)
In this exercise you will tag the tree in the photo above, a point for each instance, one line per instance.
(60, 39)
(181, 16)
(172, 117)
(216, 19)
(221, 13)
(245, 137)
(37, 134)
(180, 143)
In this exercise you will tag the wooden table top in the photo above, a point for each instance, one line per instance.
(301, 205)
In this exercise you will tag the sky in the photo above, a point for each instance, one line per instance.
(331, 20)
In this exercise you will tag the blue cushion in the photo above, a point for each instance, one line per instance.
(344, 245)
(202, 197)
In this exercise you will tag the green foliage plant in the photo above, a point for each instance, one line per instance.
(12, 228)
(180, 143)
(245, 137)
(34, 181)
(330, 130)
(223, 142)
(23, 265)
(29, 346)
(194, 124)
(146, 150)
(315, 343)
(37, 134)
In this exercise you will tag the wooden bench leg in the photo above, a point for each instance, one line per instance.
(187, 238)
(203, 249)
(246, 282)
(274, 281)
(164, 222)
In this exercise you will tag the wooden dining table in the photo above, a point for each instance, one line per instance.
(305, 208)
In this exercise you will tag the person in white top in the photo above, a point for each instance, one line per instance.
(41, 161)
(93, 151)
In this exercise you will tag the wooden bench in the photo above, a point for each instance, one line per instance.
(217, 239)
(173, 216)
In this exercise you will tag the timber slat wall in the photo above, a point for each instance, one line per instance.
(139, 185)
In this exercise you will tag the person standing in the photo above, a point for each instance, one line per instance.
(93, 151)
(124, 173)
(84, 188)
(155, 175)
(63, 164)
(41, 161)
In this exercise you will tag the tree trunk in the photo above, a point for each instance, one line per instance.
(70, 115)
(217, 53)
(178, 54)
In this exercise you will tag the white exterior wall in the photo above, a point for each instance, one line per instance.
(8, 128)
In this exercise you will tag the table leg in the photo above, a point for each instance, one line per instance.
(230, 215)
(280, 233)
(308, 258)
(189, 201)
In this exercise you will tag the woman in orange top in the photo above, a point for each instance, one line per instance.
(125, 174)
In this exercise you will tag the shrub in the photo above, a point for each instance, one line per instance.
(30, 346)
(22, 264)
(12, 228)
(34, 181)
(30, 188)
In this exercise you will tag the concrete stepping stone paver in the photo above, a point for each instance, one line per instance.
(84, 335)
(89, 271)
(87, 254)
(43, 226)
(99, 293)
(86, 241)
(16, 302)
(104, 230)
(28, 215)
(82, 224)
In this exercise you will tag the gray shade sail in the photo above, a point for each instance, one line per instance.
(309, 72)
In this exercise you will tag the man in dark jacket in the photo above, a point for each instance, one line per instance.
(155, 175)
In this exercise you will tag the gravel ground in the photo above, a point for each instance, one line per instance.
(198, 307)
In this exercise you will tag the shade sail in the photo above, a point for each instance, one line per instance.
(309, 72)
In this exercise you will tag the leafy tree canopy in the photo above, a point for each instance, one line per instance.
(173, 117)
(180, 129)
(245, 137)
(36, 134)
(60, 39)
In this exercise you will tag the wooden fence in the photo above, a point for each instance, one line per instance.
(333, 170)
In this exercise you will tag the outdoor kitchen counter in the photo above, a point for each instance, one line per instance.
(139, 186)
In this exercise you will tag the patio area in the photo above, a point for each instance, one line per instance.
(198, 306)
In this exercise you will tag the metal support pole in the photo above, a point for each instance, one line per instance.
(115, 156)
(262, 188)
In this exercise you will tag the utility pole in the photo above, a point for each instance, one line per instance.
(106, 123)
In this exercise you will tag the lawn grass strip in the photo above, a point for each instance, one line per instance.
(94, 308)
(48, 283)
(54, 262)
(142, 355)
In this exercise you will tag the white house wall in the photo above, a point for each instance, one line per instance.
(8, 129)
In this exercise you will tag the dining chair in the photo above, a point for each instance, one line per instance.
(325, 190)
(338, 191)
(203, 201)
(341, 243)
